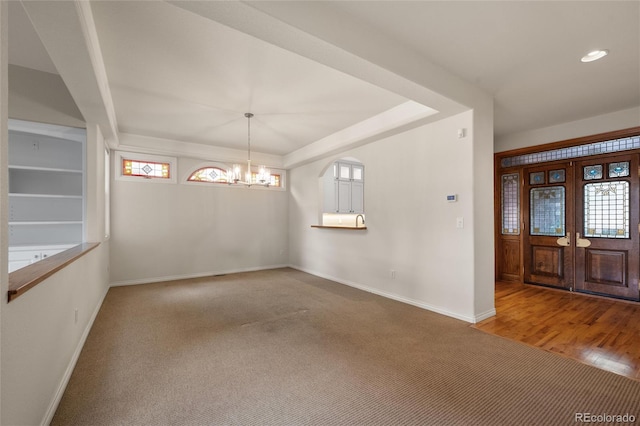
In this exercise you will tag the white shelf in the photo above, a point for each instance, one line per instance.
(46, 186)
(44, 169)
(57, 222)
(17, 194)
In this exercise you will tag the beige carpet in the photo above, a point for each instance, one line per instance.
(282, 347)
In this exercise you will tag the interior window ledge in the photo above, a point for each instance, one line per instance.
(359, 228)
(28, 277)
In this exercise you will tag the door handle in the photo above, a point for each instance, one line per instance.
(582, 242)
(564, 241)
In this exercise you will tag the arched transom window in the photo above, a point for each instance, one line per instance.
(209, 174)
(217, 175)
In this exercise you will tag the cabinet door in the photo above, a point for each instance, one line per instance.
(330, 194)
(344, 196)
(357, 197)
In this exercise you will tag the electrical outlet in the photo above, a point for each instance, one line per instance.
(76, 316)
(392, 273)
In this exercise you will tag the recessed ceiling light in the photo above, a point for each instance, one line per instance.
(594, 55)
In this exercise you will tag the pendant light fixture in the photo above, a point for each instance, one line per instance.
(234, 175)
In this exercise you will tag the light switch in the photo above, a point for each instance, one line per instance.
(459, 222)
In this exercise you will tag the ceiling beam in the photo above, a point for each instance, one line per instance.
(68, 32)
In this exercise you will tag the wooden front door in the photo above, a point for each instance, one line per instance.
(581, 225)
(607, 226)
(548, 223)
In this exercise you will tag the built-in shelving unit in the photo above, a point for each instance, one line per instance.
(46, 190)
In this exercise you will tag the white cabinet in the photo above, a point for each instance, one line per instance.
(19, 257)
(46, 189)
(344, 188)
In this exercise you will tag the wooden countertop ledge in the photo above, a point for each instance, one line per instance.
(359, 228)
(28, 277)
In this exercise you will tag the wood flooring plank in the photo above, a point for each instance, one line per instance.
(600, 332)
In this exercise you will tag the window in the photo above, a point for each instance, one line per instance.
(153, 168)
(209, 174)
(547, 211)
(107, 192)
(218, 174)
(615, 145)
(147, 169)
(511, 204)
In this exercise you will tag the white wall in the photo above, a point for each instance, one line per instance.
(42, 97)
(589, 126)
(40, 339)
(163, 231)
(411, 226)
(4, 171)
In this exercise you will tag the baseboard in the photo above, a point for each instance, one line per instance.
(418, 303)
(51, 411)
(483, 316)
(190, 276)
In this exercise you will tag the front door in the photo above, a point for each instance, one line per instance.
(581, 225)
(607, 226)
(548, 224)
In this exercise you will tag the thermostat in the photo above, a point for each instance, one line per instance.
(452, 198)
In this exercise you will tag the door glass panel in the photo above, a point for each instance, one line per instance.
(593, 172)
(547, 211)
(606, 210)
(357, 173)
(345, 172)
(536, 178)
(511, 204)
(557, 176)
(619, 169)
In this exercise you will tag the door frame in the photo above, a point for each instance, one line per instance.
(509, 266)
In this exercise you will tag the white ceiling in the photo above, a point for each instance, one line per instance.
(188, 71)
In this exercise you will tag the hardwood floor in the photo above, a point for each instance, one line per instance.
(601, 332)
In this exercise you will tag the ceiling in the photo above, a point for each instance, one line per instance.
(188, 71)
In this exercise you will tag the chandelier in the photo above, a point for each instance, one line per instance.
(234, 175)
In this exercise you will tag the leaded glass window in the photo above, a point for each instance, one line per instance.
(557, 176)
(593, 172)
(147, 169)
(615, 145)
(218, 175)
(536, 178)
(209, 174)
(619, 169)
(511, 204)
(547, 211)
(606, 209)
(275, 179)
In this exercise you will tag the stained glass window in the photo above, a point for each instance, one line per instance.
(218, 175)
(615, 145)
(147, 169)
(536, 178)
(619, 169)
(547, 211)
(511, 204)
(606, 209)
(209, 174)
(275, 179)
(593, 172)
(556, 176)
